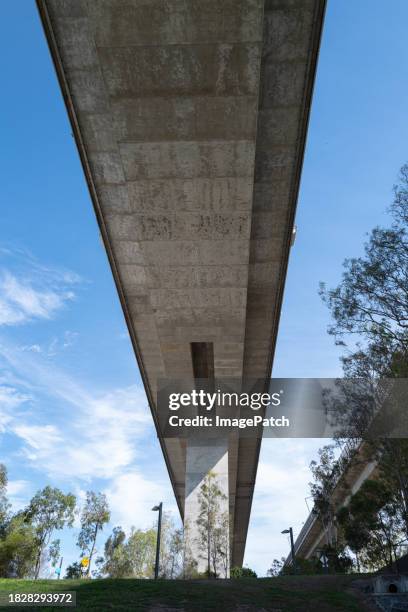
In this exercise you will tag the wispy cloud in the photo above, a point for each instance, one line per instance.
(60, 427)
(29, 290)
(10, 399)
(18, 492)
(57, 345)
(92, 434)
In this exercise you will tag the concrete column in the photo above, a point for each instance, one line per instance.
(202, 458)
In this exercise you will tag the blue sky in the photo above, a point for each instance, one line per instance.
(72, 410)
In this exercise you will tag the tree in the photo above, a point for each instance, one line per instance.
(190, 562)
(276, 567)
(326, 474)
(141, 548)
(73, 571)
(131, 557)
(117, 563)
(371, 524)
(171, 548)
(4, 505)
(370, 305)
(392, 458)
(371, 301)
(95, 514)
(18, 549)
(221, 544)
(135, 556)
(48, 510)
(54, 552)
(209, 520)
(243, 572)
(175, 553)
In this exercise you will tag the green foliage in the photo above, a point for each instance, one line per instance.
(48, 510)
(242, 572)
(372, 298)
(213, 526)
(142, 552)
(371, 524)
(132, 557)
(116, 561)
(325, 473)
(4, 505)
(95, 514)
(73, 571)
(304, 567)
(276, 568)
(171, 549)
(54, 552)
(369, 308)
(18, 549)
(236, 572)
(338, 560)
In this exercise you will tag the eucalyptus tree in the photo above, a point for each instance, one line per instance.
(95, 514)
(50, 509)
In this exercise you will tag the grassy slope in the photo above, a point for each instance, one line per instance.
(286, 594)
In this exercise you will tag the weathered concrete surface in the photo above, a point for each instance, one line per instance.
(204, 457)
(190, 119)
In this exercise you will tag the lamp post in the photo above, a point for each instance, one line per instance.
(292, 546)
(158, 509)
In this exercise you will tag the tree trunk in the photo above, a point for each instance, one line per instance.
(88, 573)
(37, 564)
(208, 554)
(38, 560)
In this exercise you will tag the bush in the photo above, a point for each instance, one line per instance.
(242, 572)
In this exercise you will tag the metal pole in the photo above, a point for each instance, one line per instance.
(60, 566)
(156, 567)
(292, 546)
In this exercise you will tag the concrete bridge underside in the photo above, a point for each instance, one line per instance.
(190, 118)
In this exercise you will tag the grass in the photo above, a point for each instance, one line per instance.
(283, 594)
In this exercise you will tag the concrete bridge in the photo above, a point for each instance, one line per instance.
(190, 118)
(314, 535)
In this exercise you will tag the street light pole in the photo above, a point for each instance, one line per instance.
(292, 547)
(158, 509)
(60, 567)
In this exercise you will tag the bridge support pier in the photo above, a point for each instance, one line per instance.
(206, 509)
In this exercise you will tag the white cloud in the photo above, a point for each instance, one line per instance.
(21, 302)
(131, 498)
(10, 400)
(279, 502)
(34, 348)
(93, 434)
(18, 492)
(97, 441)
(30, 290)
(104, 435)
(57, 345)
(70, 338)
(38, 437)
(16, 487)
